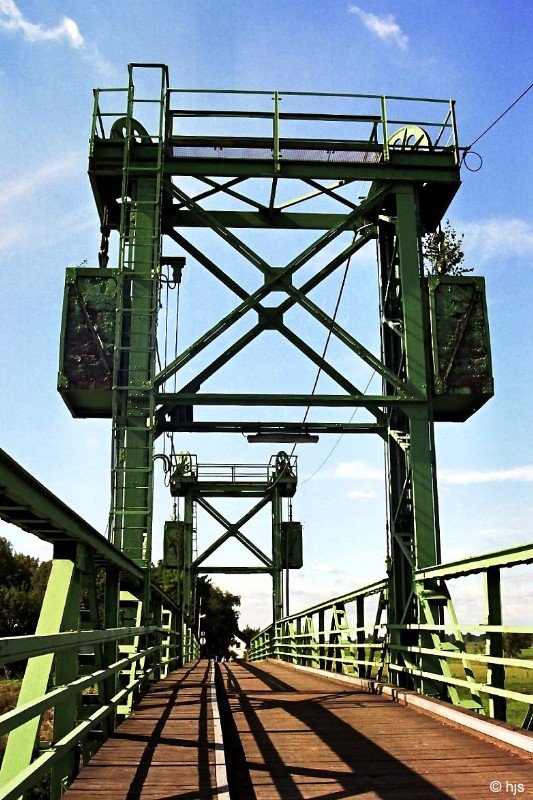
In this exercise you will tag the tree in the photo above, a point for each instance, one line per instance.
(248, 633)
(221, 622)
(22, 589)
(166, 578)
(443, 252)
(514, 643)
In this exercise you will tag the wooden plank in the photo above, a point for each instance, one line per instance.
(305, 736)
(165, 749)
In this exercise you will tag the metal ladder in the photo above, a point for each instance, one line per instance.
(135, 344)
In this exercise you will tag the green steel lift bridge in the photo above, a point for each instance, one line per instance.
(164, 162)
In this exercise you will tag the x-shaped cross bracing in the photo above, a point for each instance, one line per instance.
(272, 317)
(233, 530)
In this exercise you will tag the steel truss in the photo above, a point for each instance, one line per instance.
(412, 177)
(197, 485)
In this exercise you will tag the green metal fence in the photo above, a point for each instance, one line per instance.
(268, 119)
(335, 636)
(97, 646)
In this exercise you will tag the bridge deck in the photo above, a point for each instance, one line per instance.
(292, 735)
(165, 749)
(306, 736)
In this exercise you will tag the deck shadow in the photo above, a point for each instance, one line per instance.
(367, 767)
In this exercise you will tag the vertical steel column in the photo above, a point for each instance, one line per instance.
(110, 620)
(61, 601)
(360, 635)
(188, 580)
(133, 417)
(413, 513)
(277, 581)
(66, 714)
(495, 672)
(136, 337)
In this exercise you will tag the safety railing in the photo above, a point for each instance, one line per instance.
(441, 657)
(104, 633)
(333, 635)
(285, 119)
(184, 467)
(281, 125)
(78, 729)
(18, 776)
(475, 665)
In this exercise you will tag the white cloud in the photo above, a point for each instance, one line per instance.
(497, 237)
(358, 471)
(92, 55)
(323, 566)
(357, 494)
(12, 19)
(27, 183)
(384, 27)
(520, 474)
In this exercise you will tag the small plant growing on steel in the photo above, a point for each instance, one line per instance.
(443, 252)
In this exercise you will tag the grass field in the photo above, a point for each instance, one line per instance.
(9, 692)
(517, 679)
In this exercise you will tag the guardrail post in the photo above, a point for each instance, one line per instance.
(322, 663)
(66, 713)
(361, 635)
(313, 653)
(494, 642)
(60, 601)
(110, 649)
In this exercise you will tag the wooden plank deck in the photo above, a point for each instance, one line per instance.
(305, 736)
(163, 751)
(292, 736)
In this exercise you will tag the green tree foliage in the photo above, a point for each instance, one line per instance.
(443, 252)
(247, 634)
(221, 621)
(22, 587)
(514, 643)
(166, 578)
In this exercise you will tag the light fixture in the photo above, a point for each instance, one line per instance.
(295, 438)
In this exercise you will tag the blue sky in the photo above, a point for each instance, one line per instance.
(478, 52)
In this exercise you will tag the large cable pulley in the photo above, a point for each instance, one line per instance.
(119, 130)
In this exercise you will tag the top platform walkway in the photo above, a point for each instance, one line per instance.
(293, 735)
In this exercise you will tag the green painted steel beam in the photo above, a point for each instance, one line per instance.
(60, 600)
(277, 220)
(419, 168)
(271, 280)
(48, 518)
(416, 167)
(510, 557)
(17, 648)
(314, 400)
(285, 428)
(234, 529)
(233, 570)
